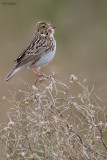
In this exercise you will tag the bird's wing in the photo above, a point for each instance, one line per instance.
(38, 46)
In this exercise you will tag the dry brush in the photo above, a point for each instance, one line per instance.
(49, 122)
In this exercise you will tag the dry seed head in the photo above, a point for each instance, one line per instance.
(10, 124)
(37, 95)
(23, 154)
(101, 123)
(34, 88)
(57, 120)
(73, 78)
(26, 102)
(7, 155)
(7, 129)
(98, 137)
(3, 98)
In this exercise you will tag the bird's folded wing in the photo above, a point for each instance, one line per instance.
(39, 46)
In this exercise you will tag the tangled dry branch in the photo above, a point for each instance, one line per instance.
(49, 123)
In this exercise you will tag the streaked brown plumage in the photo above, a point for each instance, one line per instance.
(40, 51)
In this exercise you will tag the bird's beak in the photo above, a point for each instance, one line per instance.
(53, 27)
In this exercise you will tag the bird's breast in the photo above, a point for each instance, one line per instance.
(45, 59)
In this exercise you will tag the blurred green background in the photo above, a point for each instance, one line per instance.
(81, 35)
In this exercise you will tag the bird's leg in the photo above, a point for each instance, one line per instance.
(39, 74)
(34, 71)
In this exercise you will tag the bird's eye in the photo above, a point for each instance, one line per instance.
(43, 26)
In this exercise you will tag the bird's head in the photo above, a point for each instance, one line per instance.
(45, 28)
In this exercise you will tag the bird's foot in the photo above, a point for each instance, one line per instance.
(41, 76)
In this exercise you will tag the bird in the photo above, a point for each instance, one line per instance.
(39, 52)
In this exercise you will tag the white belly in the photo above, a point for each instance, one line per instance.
(46, 58)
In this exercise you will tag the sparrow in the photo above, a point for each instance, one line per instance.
(39, 52)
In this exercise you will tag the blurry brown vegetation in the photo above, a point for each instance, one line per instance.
(49, 123)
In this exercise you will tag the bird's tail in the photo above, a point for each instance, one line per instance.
(12, 73)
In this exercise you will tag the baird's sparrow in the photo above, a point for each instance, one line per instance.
(40, 51)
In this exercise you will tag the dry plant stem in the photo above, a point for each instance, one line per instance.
(49, 123)
(100, 131)
(101, 135)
